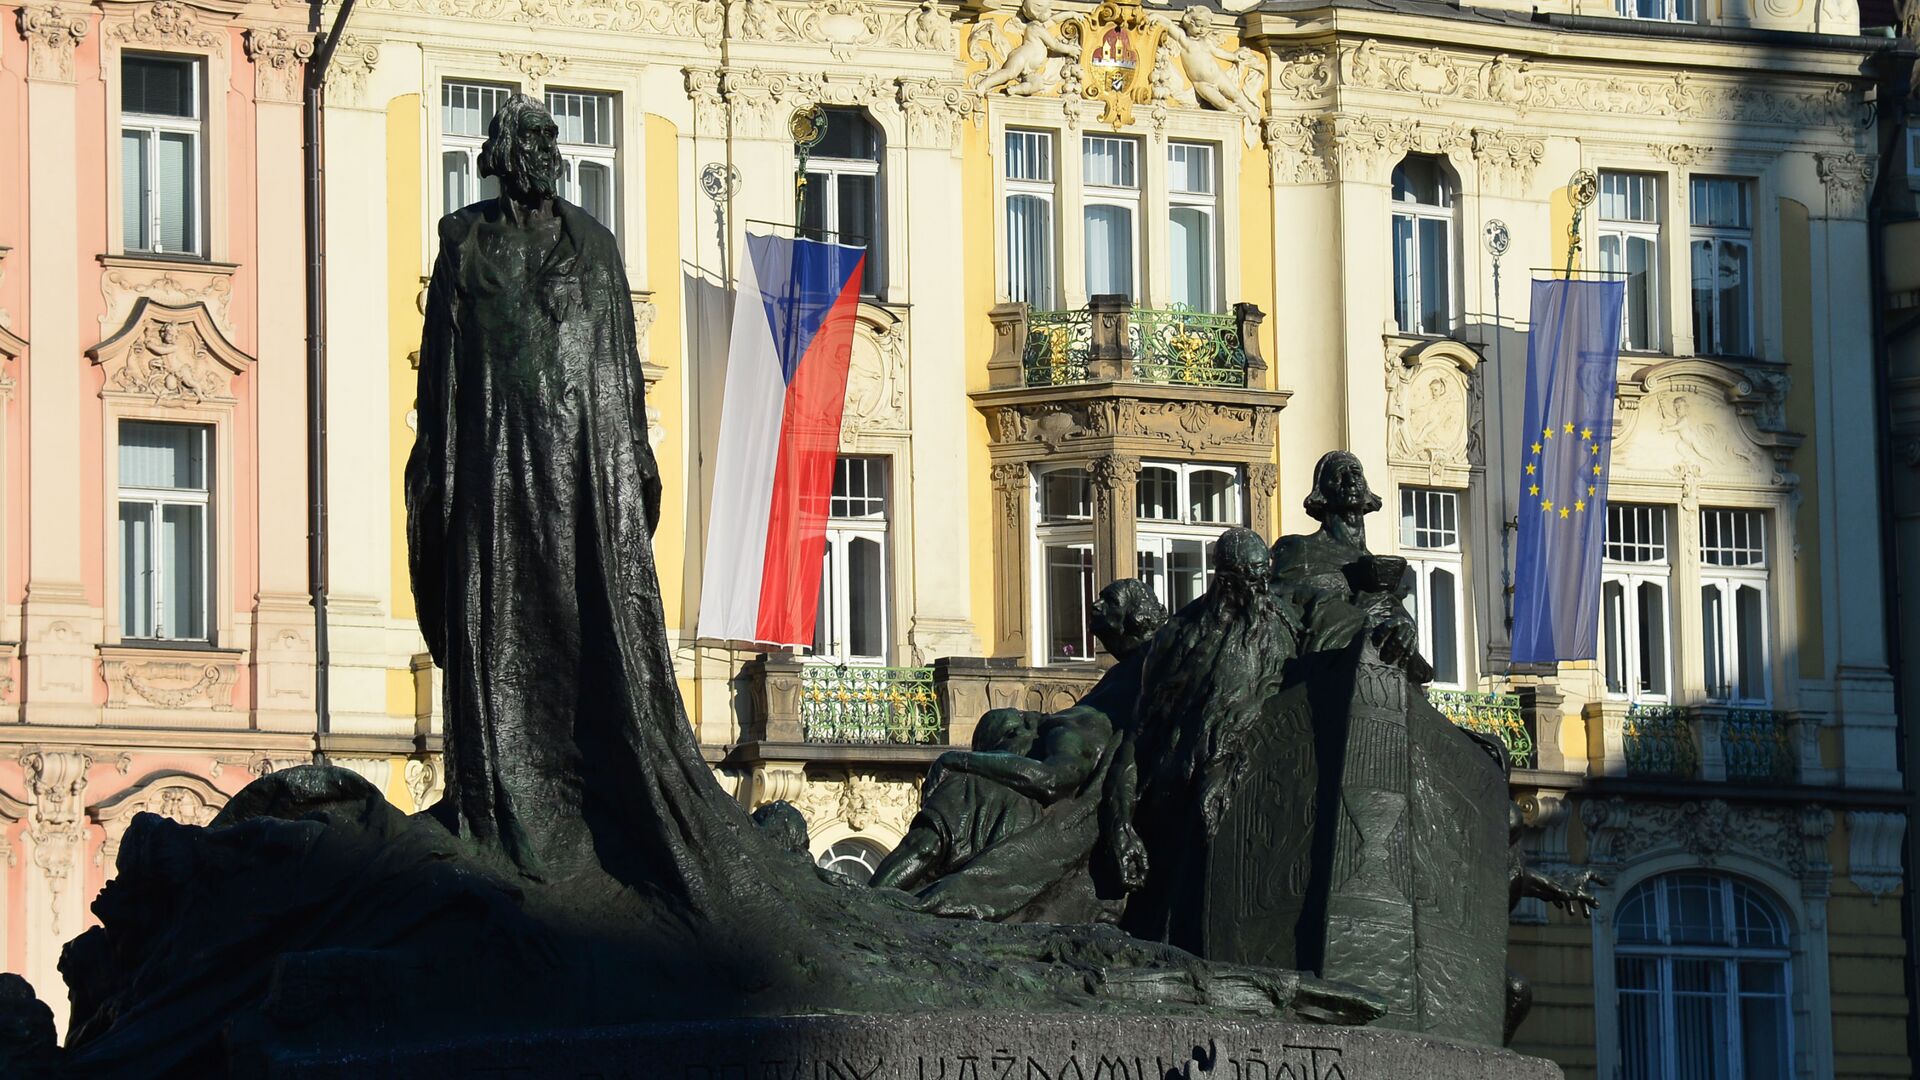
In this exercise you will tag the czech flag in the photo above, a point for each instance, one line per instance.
(779, 440)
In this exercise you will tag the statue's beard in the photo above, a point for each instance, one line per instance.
(530, 176)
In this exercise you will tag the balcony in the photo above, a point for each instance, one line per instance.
(1756, 745)
(1659, 742)
(871, 705)
(1495, 715)
(1711, 742)
(1112, 340)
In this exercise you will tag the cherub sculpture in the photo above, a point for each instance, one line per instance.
(1223, 89)
(1031, 66)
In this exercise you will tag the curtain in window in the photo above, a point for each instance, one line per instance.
(136, 569)
(1186, 572)
(1749, 624)
(1435, 294)
(1069, 597)
(866, 593)
(1653, 638)
(1405, 259)
(859, 224)
(1613, 601)
(1733, 286)
(1640, 263)
(1713, 646)
(1109, 242)
(1639, 985)
(1190, 235)
(174, 187)
(183, 548)
(134, 187)
(595, 181)
(154, 455)
(1030, 251)
(1444, 630)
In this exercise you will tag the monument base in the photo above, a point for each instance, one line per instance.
(942, 1046)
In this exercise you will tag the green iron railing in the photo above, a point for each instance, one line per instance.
(1176, 345)
(1190, 348)
(1057, 346)
(1659, 742)
(1757, 747)
(1497, 715)
(869, 705)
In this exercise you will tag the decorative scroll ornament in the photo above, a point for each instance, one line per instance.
(279, 62)
(166, 22)
(56, 822)
(51, 35)
(1847, 177)
(1623, 832)
(353, 61)
(179, 797)
(534, 67)
(172, 355)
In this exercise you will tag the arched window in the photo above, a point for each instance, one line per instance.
(843, 190)
(1701, 966)
(855, 858)
(1423, 198)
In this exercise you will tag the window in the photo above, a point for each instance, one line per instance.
(1110, 175)
(1634, 601)
(1193, 194)
(1657, 10)
(855, 858)
(1733, 605)
(465, 111)
(1422, 245)
(1701, 964)
(1430, 541)
(1030, 244)
(164, 547)
(843, 190)
(586, 150)
(1064, 535)
(851, 627)
(160, 126)
(1179, 511)
(1630, 249)
(1722, 218)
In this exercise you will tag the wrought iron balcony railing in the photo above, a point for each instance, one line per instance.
(1111, 340)
(893, 705)
(1498, 715)
(1757, 746)
(1659, 742)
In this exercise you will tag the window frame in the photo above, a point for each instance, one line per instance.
(1426, 560)
(195, 127)
(1731, 954)
(1047, 192)
(1716, 236)
(465, 143)
(1630, 575)
(157, 500)
(842, 531)
(1158, 536)
(823, 176)
(1445, 212)
(1131, 199)
(1730, 579)
(1074, 533)
(1208, 203)
(1673, 11)
(1625, 231)
(574, 154)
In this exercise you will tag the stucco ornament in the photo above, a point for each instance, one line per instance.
(1873, 851)
(56, 819)
(1227, 80)
(1034, 64)
(279, 62)
(166, 22)
(862, 800)
(876, 379)
(1623, 832)
(170, 355)
(1712, 419)
(51, 35)
(179, 797)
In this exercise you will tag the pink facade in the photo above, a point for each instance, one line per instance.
(157, 655)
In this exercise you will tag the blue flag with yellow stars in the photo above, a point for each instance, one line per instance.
(1572, 352)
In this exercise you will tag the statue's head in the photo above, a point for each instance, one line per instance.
(1340, 487)
(522, 150)
(1007, 730)
(1196, 21)
(1240, 556)
(1036, 10)
(1126, 615)
(784, 824)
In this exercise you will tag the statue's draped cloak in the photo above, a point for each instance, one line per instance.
(531, 496)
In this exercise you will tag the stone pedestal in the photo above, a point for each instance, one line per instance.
(944, 1046)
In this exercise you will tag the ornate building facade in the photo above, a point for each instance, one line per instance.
(1131, 270)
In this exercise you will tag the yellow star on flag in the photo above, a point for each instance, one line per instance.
(1529, 468)
(1580, 505)
(1591, 489)
(1596, 470)
(1569, 427)
(1563, 511)
(1586, 433)
(1595, 448)
(1536, 448)
(1547, 433)
(1546, 504)
(1533, 489)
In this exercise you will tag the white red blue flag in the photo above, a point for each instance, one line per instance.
(779, 439)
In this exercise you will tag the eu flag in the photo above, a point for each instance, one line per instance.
(1564, 448)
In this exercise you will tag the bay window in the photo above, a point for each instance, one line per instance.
(587, 150)
(1193, 192)
(1721, 213)
(165, 534)
(1733, 605)
(466, 108)
(1430, 542)
(1635, 597)
(1110, 178)
(161, 118)
(1030, 228)
(1629, 249)
(1423, 198)
(851, 626)
(1064, 542)
(1180, 509)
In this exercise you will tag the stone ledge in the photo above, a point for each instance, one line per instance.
(947, 1046)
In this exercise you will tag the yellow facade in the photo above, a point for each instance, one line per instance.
(1305, 117)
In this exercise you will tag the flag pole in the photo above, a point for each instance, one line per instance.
(1498, 240)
